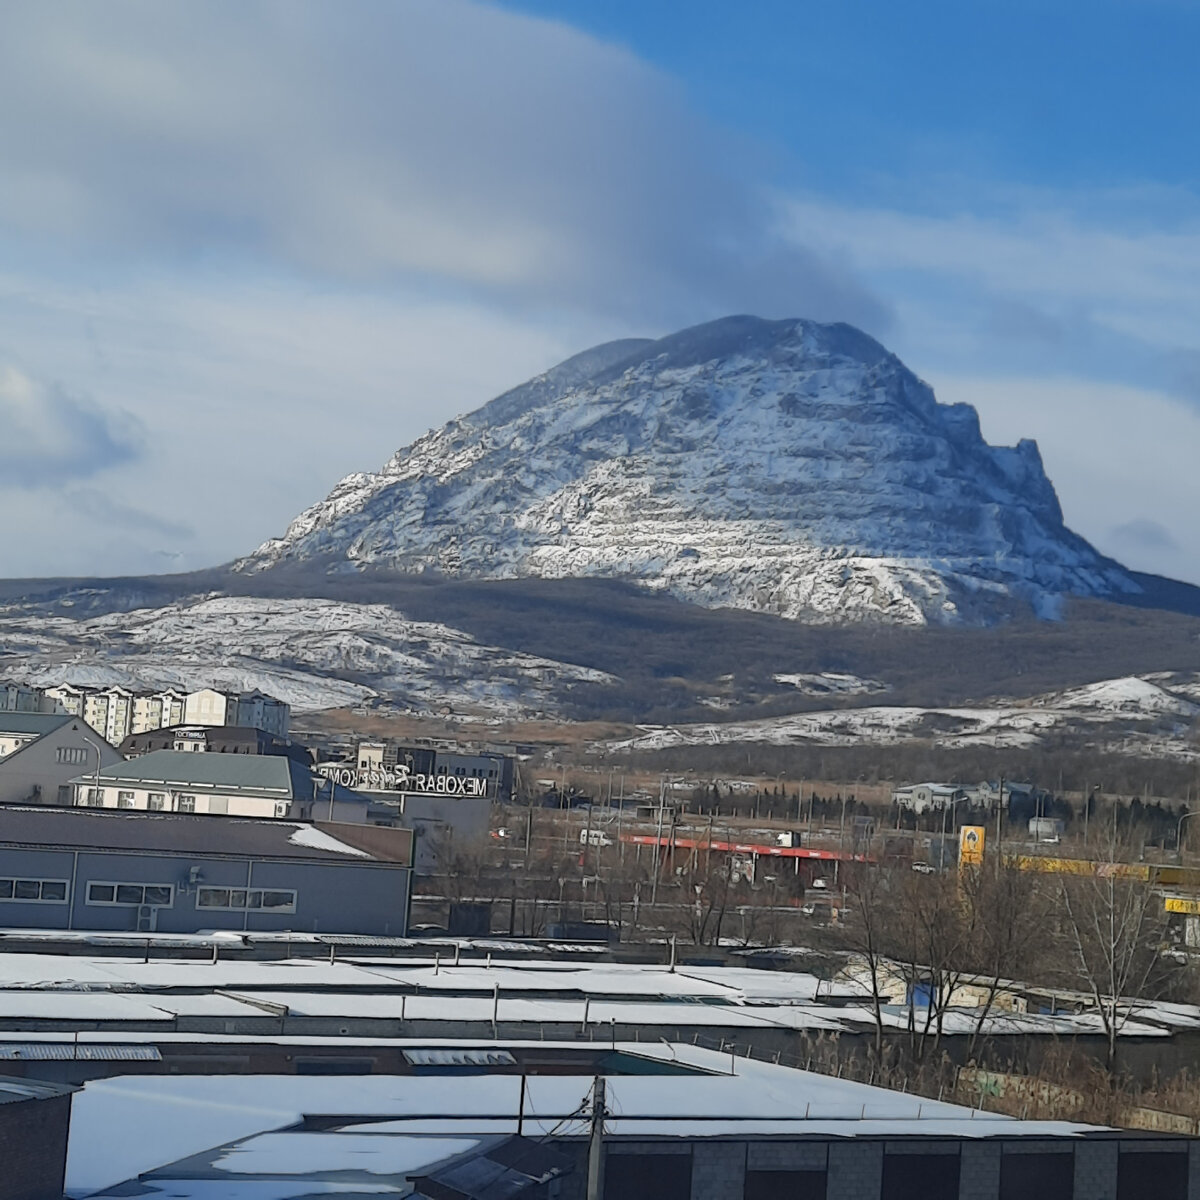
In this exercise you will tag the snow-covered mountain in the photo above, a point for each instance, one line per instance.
(782, 466)
(315, 654)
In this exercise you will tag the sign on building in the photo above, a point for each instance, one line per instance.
(401, 779)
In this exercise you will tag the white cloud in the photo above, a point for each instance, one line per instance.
(442, 139)
(51, 436)
(252, 397)
(288, 237)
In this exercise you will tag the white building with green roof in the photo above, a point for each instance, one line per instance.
(236, 785)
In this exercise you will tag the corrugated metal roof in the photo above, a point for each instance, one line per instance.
(14, 1091)
(266, 774)
(70, 1052)
(356, 939)
(445, 1057)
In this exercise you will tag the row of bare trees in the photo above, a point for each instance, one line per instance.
(1097, 937)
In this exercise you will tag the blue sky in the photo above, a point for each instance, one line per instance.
(1062, 94)
(249, 246)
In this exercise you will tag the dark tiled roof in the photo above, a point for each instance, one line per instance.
(164, 833)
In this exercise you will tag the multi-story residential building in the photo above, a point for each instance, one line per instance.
(116, 712)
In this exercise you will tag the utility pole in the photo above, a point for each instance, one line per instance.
(595, 1171)
(662, 799)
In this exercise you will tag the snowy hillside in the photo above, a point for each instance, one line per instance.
(314, 654)
(786, 467)
(1131, 715)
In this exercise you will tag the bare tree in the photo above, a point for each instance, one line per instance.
(1113, 928)
(1010, 916)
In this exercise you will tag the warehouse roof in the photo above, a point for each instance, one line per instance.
(184, 834)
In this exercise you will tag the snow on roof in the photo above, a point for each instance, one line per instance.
(316, 839)
(598, 1012)
(181, 1116)
(319, 1153)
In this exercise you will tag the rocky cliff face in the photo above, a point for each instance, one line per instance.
(783, 466)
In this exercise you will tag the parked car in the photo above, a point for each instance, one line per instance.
(924, 868)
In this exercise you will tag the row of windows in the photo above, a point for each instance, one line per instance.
(161, 895)
(71, 755)
(46, 891)
(246, 898)
(155, 801)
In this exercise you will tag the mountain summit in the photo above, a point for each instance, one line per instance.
(784, 466)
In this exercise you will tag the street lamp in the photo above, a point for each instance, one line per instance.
(95, 774)
(1179, 831)
(945, 809)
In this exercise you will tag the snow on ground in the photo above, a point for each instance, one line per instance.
(1132, 694)
(314, 654)
(1133, 715)
(830, 683)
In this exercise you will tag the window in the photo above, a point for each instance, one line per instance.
(920, 1177)
(1150, 1175)
(784, 1185)
(664, 1176)
(186, 804)
(160, 895)
(95, 798)
(71, 755)
(156, 801)
(1037, 1176)
(42, 891)
(124, 799)
(254, 899)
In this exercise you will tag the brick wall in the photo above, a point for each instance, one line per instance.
(33, 1148)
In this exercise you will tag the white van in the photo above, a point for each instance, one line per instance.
(594, 837)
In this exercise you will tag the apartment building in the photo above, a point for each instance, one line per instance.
(116, 712)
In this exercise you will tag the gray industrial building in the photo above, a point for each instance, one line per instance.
(83, 869)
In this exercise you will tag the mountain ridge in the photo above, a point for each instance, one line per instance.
(780, 466)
